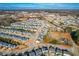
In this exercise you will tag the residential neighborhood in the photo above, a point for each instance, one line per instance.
(39, 33)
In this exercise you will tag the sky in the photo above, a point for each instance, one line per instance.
(39, 6)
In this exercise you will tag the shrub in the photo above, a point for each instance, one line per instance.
(8, 40)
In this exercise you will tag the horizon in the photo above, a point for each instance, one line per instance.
(27, 6)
